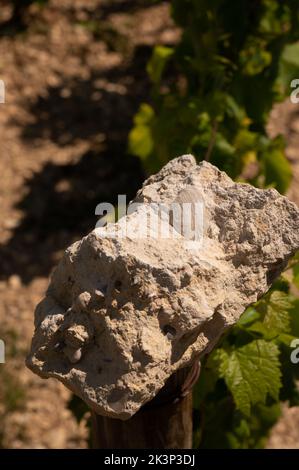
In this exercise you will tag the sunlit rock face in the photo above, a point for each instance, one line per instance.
(132, 302)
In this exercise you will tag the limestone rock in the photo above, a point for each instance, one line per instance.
(124, 310)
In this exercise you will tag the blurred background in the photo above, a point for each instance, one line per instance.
(75, 73)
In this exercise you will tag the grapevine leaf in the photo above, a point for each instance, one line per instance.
(278, 172)
(289, 65)
(249, 316)
(145, 115)
(296, 275)
(286, 339)
(276, 312)
(277, 169)
(157, 63)
(251, 372)
(266, 333)
(254, 59)
(140, 138)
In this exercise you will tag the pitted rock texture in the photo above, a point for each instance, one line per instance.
(122, 314)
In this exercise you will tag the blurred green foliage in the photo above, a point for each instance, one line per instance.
(211, 96)
(212, 92)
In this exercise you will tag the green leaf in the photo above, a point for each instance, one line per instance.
(251, 372)
(207, 379)
(296, 275)
(289, 66)
(276, 312)
(233, 109)
(140, 138)
(286, 339)
(240, 433)
(140, 141)
(249, 316)
(261, 329)
(158, 61)
(278, 172)
(145, 115)
(255, 58)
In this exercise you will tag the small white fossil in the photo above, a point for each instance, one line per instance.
(82, 301)
(74, 355)
(99, 294)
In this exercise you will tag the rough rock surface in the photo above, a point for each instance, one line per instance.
(121, 314)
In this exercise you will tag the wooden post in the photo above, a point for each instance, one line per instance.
(163, 423)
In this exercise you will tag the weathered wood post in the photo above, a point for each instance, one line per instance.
(134, 305)
(163, 423)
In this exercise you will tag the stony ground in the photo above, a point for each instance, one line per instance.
(74, 79)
